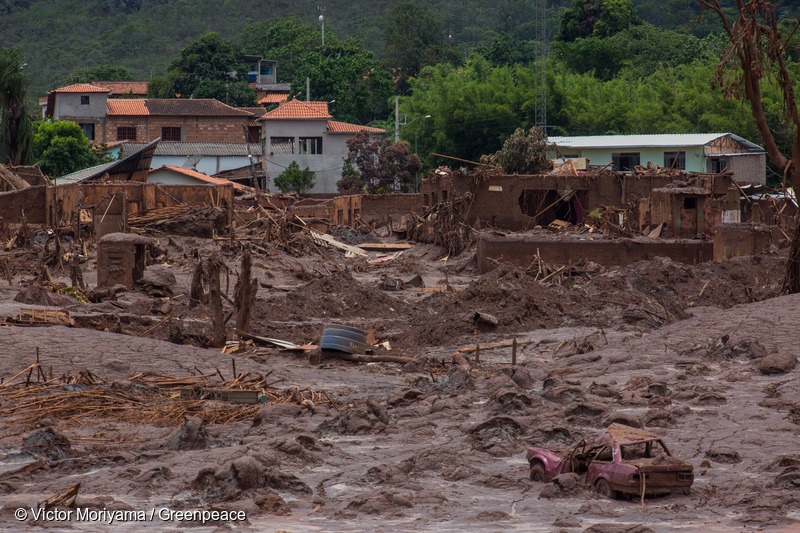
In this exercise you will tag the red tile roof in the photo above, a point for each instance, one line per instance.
(199, 176)
(298, 109)
(273, 98)
(138, 88)
(344, 127)
(81, 88)
(126, 106)
(206, 107)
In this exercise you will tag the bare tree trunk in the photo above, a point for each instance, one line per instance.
(791, 281)
(218, 337)
(196, 293)
(246, 289)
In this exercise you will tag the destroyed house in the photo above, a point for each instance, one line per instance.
(520, 202)
(701, 152)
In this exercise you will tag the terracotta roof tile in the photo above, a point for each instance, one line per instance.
(273, 98)
(81, 88)
(138, 88)
(127, 106)
(344, 127)
(199, 176)
(298, 109)
(205, 107)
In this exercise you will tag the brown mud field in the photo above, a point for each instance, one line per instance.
(703, 355)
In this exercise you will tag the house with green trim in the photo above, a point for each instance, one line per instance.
(692, 152)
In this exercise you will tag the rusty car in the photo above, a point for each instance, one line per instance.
(622, 461)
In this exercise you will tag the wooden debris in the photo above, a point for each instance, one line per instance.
(65, 498)
(267, 341)
(42, 317)
(385, 246)
(337, 244)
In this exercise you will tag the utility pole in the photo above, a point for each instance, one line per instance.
(322, 20)
(396, 118)
(308, 89)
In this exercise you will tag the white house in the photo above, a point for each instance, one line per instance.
(694, 152)
(306, 132)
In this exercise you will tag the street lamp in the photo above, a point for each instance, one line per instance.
(322, 21)
(416, 135)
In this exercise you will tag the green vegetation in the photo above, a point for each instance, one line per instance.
(15, 121)
(614, 66)
(60, 147)
(383, 166)
(295, 180)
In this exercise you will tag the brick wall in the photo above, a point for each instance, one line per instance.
(193, 129)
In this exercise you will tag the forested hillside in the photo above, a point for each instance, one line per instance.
(59, 36)
(464, 68)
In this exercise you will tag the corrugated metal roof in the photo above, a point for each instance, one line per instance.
(298, 109)
(136, 161)
(86, 173)
(204, 149)
(666, 140)
(345, 127)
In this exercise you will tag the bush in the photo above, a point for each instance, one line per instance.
(295, 180)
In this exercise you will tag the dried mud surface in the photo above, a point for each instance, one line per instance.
(704, 355)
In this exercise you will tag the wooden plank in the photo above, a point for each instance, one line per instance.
(337, 244)
(385, 246)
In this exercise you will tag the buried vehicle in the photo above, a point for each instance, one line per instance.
(623, 460)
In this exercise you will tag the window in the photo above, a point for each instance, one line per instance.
(311, 145)
(266, 70)
(254, 134)
(717, 164)
(675, 160)
(88, 130)
(690, 202)
(281, 145)
(171, 133)
(604, 454)
(126, 133)
(84, 99)
(625, 161)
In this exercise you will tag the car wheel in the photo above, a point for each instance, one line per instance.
(537, 471)
(603, 488)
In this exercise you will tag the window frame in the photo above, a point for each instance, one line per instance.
(669, 158)
(309, 145)
(617, 159)
(88, 126)
(124, 131)
(168, 133)
(85, 99)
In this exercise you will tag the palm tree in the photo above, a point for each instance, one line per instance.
(16, 134)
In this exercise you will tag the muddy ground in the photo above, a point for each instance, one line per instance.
(704, 355)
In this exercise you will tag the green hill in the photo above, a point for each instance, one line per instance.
(60, 36)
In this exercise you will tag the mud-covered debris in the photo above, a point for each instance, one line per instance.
(618, 528)
(192, 435)
(356, 420)
(724, 454)
(564, 485)
(47, 443)
(382, 502)
(777, 363)
(405, 398)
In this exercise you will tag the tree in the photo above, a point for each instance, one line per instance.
(102, 73)
(237, 94)
(344, 71)
(383, 165)
(208, 59)
(414, 38)
(595, 18)
(522, 153)
(295, 180)
(473, 108)
(60, 147)
(15, 123)
(758, 50)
